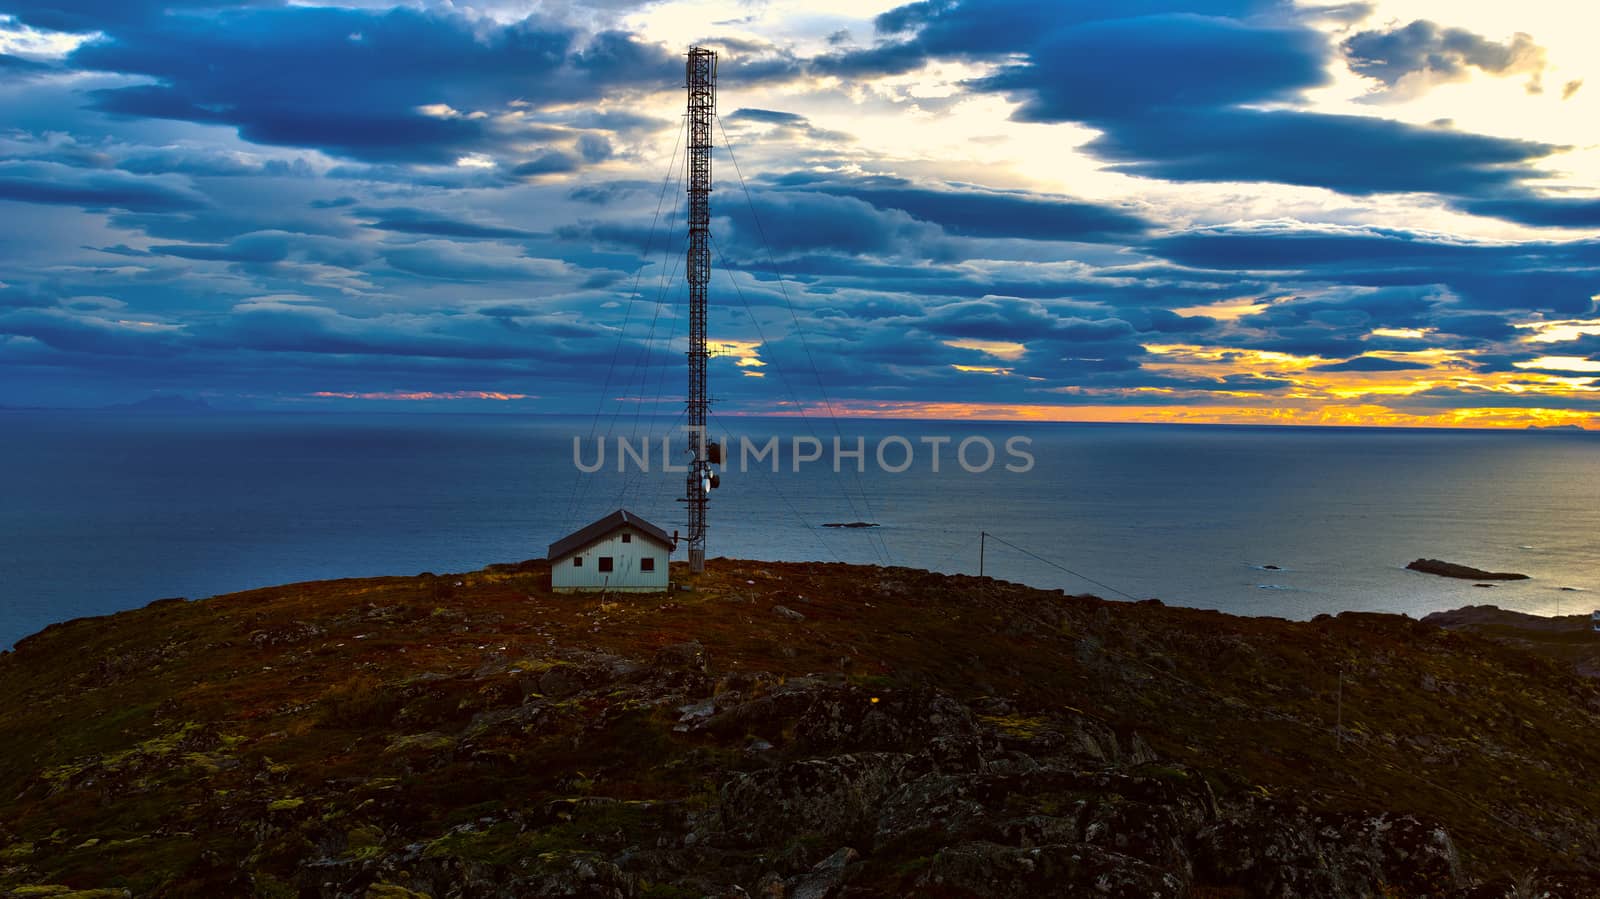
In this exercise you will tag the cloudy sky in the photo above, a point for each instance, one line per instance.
(1200, 210)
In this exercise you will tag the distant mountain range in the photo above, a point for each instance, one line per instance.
(160, 402)
(164, 403)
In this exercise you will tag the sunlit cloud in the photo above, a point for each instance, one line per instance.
(1338, 415)
(424, 395)
(981, 369)
(1000, 349)
(487, 205)
(1562, 363)
(1559, 331)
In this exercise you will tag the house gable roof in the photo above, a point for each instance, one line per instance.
(604, 527)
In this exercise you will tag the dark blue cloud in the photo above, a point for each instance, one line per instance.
(1445, 398)
(61, 330)
(895, 58)
(1139, 287)
(260, 271)
(798, 222)
(122, 250)
(303, 329)
(351, 82)
(619, 121)
(447, 261)
(1556, 290)
(1306, 248)
(298, 348)
(57, 184)
(1350, 154)
(546, 162)
(205, 164)
(767, 116)
(1556, 212)
(21, 298)
(1339, 323)
(264, 247)
(1019, 320)
(595, 148)
(996, 27)
(1476, 325)
(1173, 94)
(973, 212)
(783, 126)
(1373, 364)
(1163, 321)
(84, 16)
(411, 220)
(15, 68)
(1151, 64)
(1426, 49)
(218, 224)
(605, 193)
(1560, 277)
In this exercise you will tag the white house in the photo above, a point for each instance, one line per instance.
(620, 553)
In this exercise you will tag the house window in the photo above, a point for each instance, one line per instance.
(605, 563)
(577, 561)
(648, 563)
(627, 538)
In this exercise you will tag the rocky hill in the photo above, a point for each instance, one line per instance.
(783, 730)
(1570, 638)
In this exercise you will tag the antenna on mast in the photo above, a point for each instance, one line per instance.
(701, 81)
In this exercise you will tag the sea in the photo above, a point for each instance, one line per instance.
(108, 510)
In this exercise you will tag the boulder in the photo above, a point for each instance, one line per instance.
(825, 877)
(990, 870)
(1286, 850)
(833, 799)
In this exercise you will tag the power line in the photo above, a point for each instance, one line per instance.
(792, 509)
(788, 385)
(666, 282)
(574, 500)
(960, 548)
(1062, 567)
(799, 331)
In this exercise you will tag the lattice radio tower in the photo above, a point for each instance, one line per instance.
(701, 80)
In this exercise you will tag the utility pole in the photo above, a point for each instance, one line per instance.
(983, 544)
(701, 81)
(1338, 728)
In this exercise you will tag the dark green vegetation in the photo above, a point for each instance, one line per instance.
(795, 730)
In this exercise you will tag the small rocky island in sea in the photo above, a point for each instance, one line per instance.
(1464, 572)
(789, 730)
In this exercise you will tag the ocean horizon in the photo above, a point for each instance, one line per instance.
(107, 510)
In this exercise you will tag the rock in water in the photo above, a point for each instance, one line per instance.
(1464, 572)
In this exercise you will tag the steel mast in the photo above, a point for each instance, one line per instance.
(701, 80)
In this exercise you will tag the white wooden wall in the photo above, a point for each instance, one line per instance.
(625, 575)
